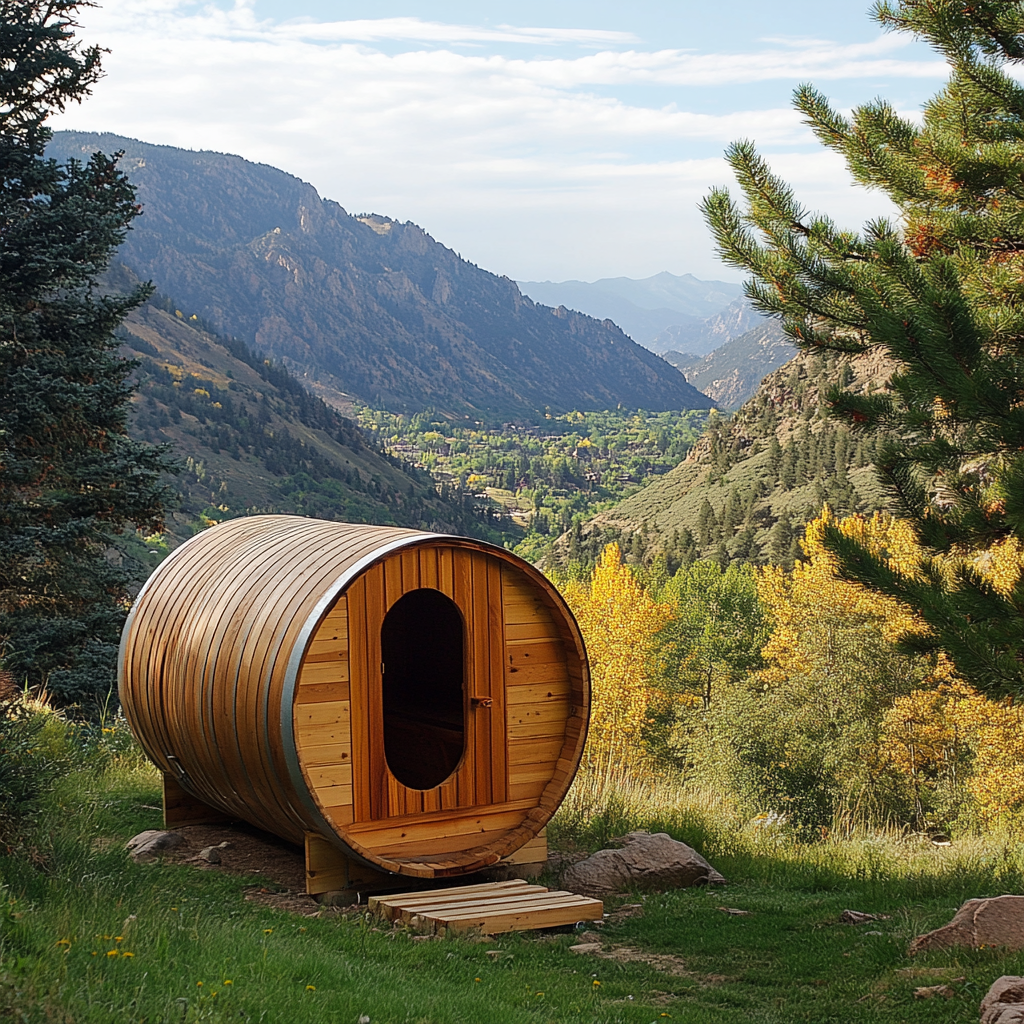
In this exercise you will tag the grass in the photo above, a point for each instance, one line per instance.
(74, 907)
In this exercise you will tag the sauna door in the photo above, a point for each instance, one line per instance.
(428, 693)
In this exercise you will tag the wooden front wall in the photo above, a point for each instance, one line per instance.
(514, 655)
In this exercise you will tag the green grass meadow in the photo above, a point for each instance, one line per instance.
(88, 936)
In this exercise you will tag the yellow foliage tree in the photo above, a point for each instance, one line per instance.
(811, 599)
(953, 740)
(831, 674)
(943, 737)
(619, 621)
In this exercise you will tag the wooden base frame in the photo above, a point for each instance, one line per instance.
(181, 808)
(329, 870)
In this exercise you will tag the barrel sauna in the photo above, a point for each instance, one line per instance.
(400, 702)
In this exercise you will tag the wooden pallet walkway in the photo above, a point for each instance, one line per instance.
(513, 906)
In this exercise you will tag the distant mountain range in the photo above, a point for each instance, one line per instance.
(643, 308)
(732, 372)
(703, 336)
(364, 306)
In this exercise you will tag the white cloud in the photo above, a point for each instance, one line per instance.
(532, 166)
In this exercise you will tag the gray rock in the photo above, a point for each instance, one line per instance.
(994, 922)
(644, 861)
(211, 854)
(1004, 1001)
(147, 846)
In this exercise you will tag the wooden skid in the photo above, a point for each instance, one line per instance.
(513, 906)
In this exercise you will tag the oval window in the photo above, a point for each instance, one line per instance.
(423, 704)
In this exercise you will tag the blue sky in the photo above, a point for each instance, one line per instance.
(540, 140)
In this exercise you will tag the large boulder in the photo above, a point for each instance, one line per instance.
(987, 922)
(1004, 1001)
(644, 861)
(147, 846)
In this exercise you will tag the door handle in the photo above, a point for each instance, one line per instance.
(481, 702)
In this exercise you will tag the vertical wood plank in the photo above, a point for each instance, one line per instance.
(496, 656)
(360, 689)
(376, 764)
(446, 572)
(480, 656)
(427, 566)
(410, 560)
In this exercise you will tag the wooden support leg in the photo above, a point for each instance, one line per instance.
(181, 808)
(329, 870)
(529, 860)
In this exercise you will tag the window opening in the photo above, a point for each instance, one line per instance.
(421, 642)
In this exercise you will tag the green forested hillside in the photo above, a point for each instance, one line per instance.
(746, 488)
(251, 439)
(365, 307)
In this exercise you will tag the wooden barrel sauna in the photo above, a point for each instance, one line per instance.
(411, 702)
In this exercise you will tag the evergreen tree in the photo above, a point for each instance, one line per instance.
(707, 525)
(70, 477)
(939, 294)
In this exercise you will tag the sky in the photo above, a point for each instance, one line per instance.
(544, 141)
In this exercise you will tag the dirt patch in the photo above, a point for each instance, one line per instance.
(657, 998)
(625, 911)
(248, 852)
(290, 902)
(664, 962)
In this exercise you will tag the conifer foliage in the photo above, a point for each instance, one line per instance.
(940, 293)
(70, 477)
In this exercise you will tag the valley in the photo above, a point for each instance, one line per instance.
(534, 482)
(301, 359)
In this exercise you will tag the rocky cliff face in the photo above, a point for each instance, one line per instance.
(365, 306)
(731, 374)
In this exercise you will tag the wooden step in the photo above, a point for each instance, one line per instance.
(513, 906)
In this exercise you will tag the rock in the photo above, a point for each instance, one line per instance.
(644, 861)
(147, 846)
(860, 917)
(586, 947)
(1004, 1001)
(931, 991)
(211, 854)
(336, 898)
(993, 922)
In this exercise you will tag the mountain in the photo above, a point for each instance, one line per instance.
(642, 308)
(365, 306)
(252, 439)
(747, 487)
(731, 373)
(704, 336)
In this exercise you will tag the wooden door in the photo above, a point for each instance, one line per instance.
(472, 580)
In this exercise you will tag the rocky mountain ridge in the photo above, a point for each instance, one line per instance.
(643, 308)
(365, 306)
(732, 373)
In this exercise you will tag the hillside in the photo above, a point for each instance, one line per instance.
(731, 374)
(642, 308)
(252, 439)
(747, 487)
(365, 306)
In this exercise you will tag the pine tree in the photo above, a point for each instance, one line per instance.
(939, 294)
(708, 530)
(70, 477)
